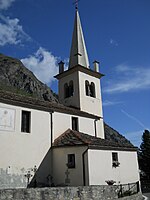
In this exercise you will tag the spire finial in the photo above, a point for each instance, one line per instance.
(76, 4)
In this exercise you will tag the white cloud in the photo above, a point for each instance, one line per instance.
(133, 119)
(66, 61)
(113, 42)
(43, 64)
(111, 103)
(129, 78)
(11, 32)
(5, 4)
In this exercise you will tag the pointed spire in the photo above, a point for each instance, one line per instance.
(78, 53)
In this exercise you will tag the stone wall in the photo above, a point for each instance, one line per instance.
(66, 193)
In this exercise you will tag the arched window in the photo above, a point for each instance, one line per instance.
(87, 88)
(92, 90)
(71, 88)
(66, 90)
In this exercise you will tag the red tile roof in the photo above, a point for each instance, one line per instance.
(75, 138)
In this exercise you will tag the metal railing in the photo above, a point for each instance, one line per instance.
(128, 189)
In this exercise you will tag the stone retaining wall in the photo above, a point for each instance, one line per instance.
(66, 193)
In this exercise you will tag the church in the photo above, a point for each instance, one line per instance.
(63, 144)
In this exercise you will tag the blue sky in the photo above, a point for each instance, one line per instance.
(117, 33)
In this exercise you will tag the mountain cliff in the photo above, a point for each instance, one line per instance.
(115, 136)
(15, 77)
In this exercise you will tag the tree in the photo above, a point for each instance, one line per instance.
(144, 154)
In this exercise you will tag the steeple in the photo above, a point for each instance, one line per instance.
(79, 86)
(78, 53)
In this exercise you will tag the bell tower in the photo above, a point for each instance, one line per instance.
(79, 86)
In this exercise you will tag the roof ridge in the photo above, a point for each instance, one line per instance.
(59, 137)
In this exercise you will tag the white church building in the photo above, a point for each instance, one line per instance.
(58, 144)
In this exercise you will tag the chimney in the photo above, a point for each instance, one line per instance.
(96, 66)
(61, 67)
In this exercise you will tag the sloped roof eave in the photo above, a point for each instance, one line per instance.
(97, 147)
(34, 103)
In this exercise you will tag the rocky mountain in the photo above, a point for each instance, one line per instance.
(113, 135)
(15, 77)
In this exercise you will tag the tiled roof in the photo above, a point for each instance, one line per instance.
(35, 103)
(75, 138)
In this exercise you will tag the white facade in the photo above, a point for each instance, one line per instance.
(79, 99)
(59, 166)
(102, 170)
(20, 151)
(72, 100)
(62, 122)
(94, 166)
(89, 104)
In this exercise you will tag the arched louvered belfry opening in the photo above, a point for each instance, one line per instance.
(87, 88)
(66, 90)
(71, 89)
(92, 90)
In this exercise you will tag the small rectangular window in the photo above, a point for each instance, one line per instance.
(75, 126)
(25, 121)
(71, 161)
(115, 162)
(115, 156)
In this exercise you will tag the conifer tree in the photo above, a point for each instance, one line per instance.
(144, 154)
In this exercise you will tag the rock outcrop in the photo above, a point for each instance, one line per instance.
(15, 77)
(115, 136)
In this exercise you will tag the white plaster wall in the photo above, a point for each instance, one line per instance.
(79, 99)
(59, 166)
(86, 125)
(86, 169)
(100, 128)
(90, 104)
(22, 151)
(100, 167)
(85, 103)
(61, 122)
(73, 100)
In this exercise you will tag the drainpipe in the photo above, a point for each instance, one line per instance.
(51, 122)
(83, 154)
(51, 150)
(95, 127)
